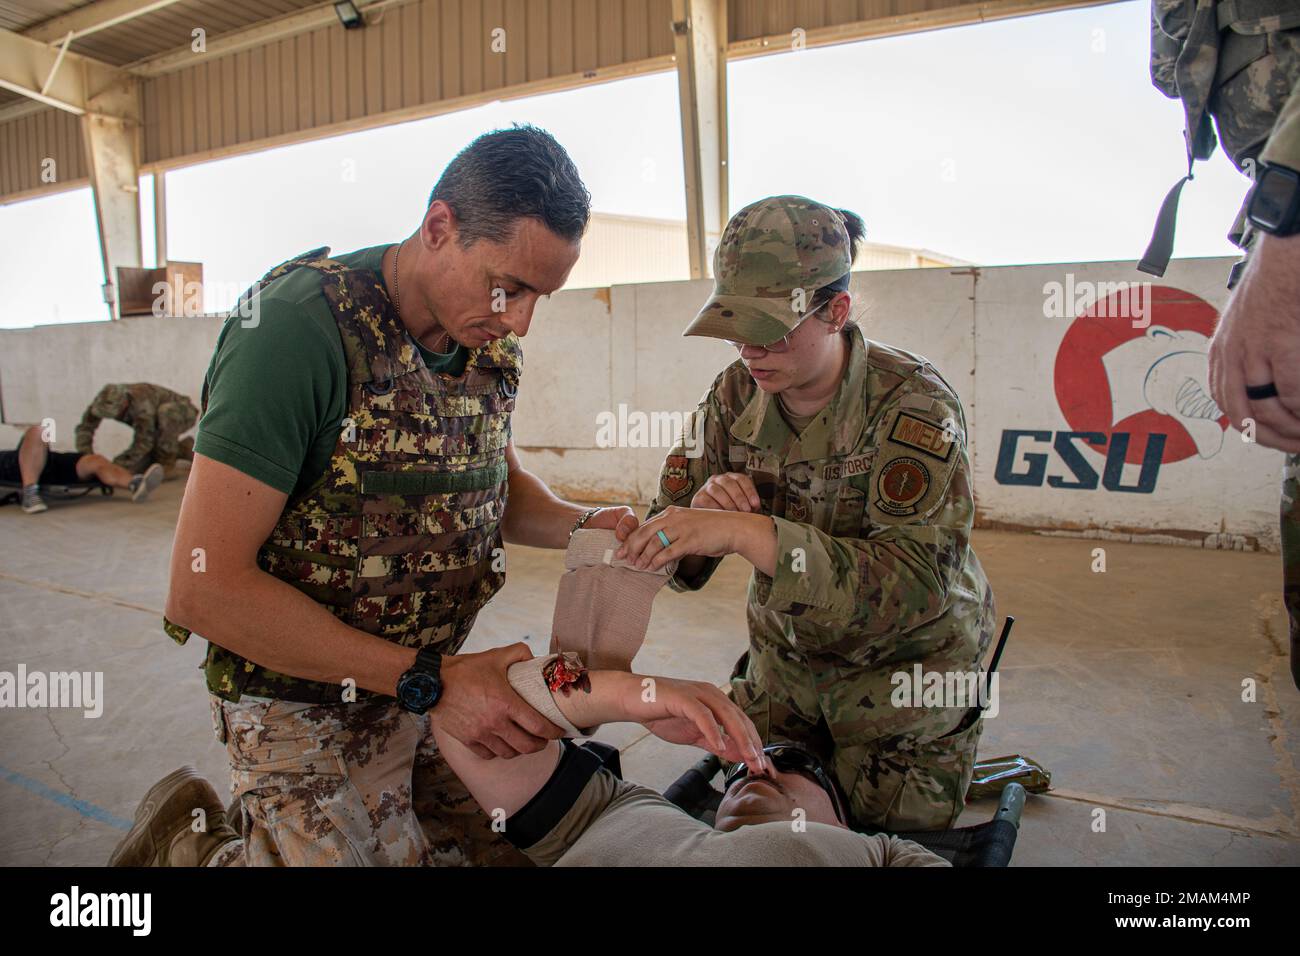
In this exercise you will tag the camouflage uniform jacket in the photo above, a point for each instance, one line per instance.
(873, 507)
(1238, 62)
(134, 405)
(400, 536)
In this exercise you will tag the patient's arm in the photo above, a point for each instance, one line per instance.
(683, 712)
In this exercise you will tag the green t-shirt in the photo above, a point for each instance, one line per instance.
(278, 390)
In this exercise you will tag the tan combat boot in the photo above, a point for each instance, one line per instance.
(163, 834)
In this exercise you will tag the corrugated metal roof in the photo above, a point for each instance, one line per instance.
(150, 34)
(19, 16)
(171, 27)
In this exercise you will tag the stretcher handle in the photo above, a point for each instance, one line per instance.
(1002, 643)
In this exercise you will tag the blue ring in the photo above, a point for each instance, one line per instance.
(664, 538)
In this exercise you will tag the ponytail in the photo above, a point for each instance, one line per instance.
(857, 230)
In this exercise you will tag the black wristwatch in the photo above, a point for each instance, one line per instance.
(1274, 204)
(421, 686)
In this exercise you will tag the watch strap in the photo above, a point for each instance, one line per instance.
(429, 661)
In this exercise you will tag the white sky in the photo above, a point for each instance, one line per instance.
(1038, 139)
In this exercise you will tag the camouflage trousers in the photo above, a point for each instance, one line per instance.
(347, 785)
(174, 418)
(1291, 556)
(899, 782)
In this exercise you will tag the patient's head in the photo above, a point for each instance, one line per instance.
(799, 783)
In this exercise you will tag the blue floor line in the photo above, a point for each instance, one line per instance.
(57, 796)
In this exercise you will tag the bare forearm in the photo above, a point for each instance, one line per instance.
(534, 515)
(1275, 269)
(282, 629)
(505, 786)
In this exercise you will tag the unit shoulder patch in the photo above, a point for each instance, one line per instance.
(916, 459)
(676, 480)
(901, 485)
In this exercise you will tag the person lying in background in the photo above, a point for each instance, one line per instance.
(32, 464)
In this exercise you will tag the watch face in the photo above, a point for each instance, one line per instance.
(1273, 204)
(420, 690)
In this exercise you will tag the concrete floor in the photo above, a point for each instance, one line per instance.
(1126, 684)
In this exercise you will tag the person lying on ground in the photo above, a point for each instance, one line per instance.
(33, 465)
(560, 806)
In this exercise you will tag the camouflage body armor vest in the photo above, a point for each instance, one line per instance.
(399, 537)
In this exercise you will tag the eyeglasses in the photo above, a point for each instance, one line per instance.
(783, 343)
(792, 758)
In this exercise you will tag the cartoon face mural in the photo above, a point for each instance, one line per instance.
(1168, 371)
(1111, 377)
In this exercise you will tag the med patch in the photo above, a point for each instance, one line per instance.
(923, 436)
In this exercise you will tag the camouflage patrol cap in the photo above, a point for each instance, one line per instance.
(773, 255)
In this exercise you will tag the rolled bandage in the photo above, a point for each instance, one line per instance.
(533, 679)
(602, 605)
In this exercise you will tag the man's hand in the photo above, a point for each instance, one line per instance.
(1258, 342)
(480, 709)
(733, 491)
(618, 519)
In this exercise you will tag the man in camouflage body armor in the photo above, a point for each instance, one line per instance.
(1235, 64)
(369, 470)
(857, 518)
(158, 416)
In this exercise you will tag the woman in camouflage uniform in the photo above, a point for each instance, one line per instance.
(838, 468)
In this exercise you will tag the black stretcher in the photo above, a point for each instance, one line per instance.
(12, 491)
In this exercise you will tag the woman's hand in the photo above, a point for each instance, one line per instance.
(697, 714)
(732, 491)
(702, 531)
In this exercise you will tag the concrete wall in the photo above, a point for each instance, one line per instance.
(53, 371)
(1028, 381)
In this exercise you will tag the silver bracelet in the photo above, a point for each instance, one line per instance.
(582, 519)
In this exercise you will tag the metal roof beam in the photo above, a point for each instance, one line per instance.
(55, 76)
(261, 33)
(92, 18)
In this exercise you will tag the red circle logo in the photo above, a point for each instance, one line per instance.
(1142, 370)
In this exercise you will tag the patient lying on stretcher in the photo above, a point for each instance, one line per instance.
(562, 808)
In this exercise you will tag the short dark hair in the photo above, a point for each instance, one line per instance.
(509, 174)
